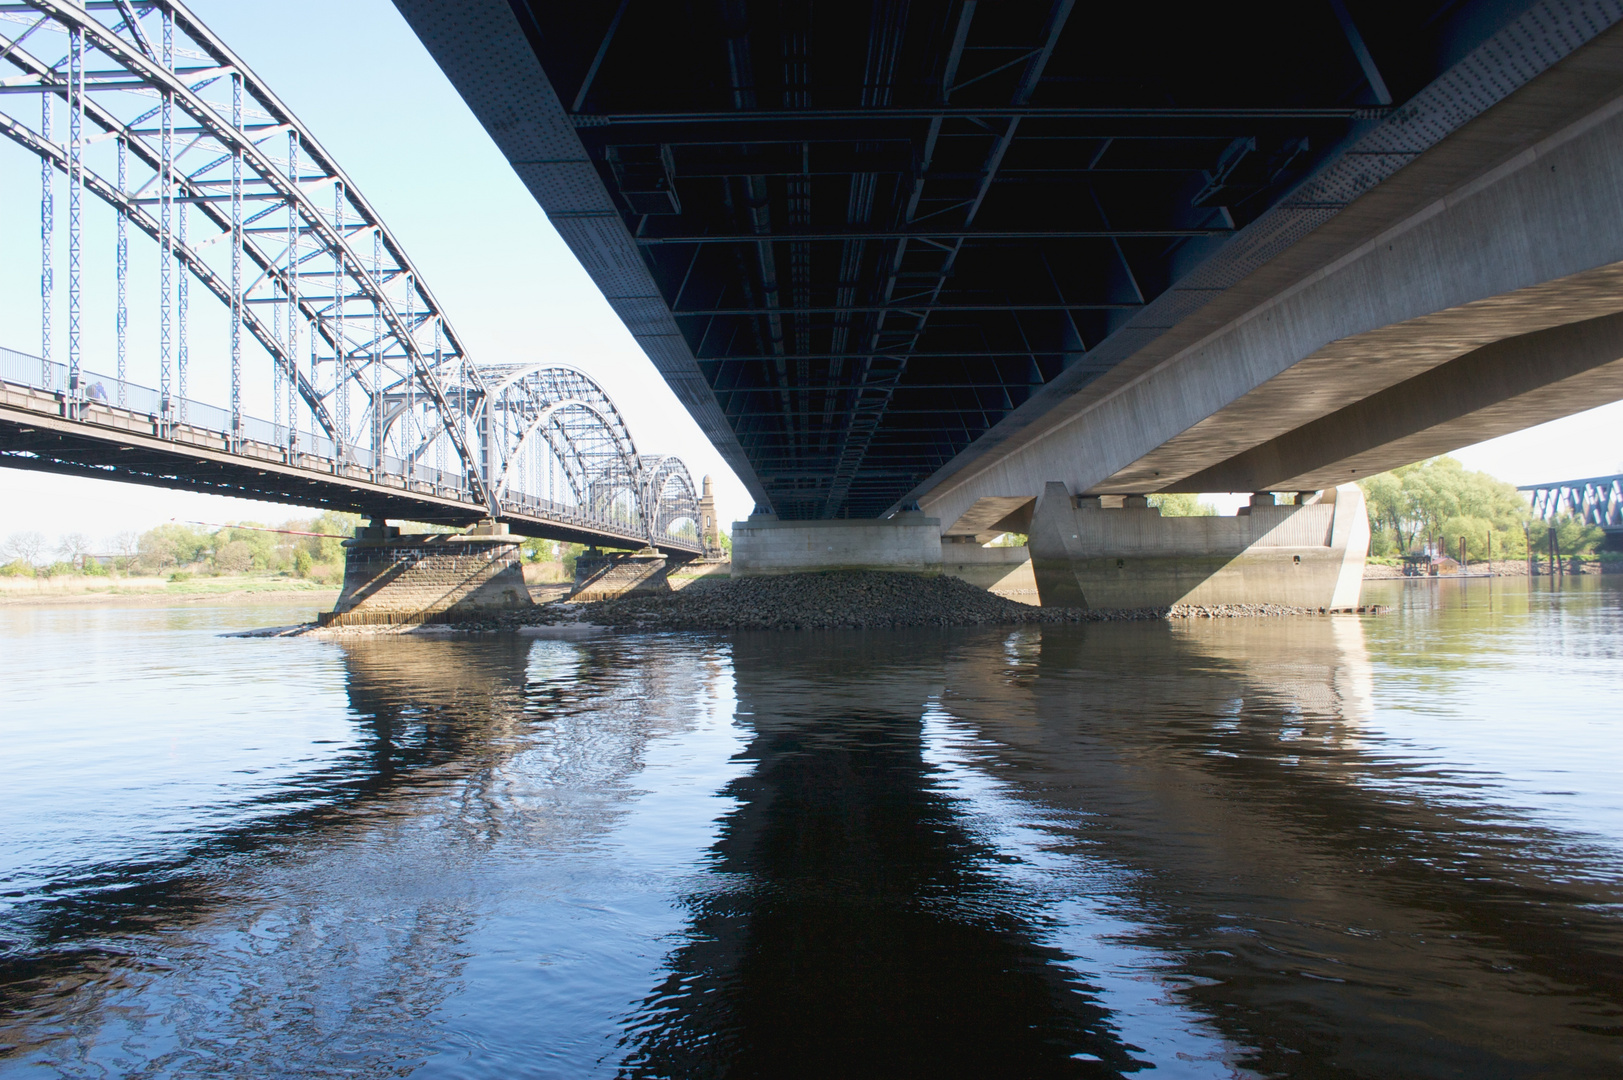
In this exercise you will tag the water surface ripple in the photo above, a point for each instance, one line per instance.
(1329, 847)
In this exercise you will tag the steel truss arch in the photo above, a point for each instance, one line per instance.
(577, 419)
(188, 256)
(389, 294)
(669, 492)
(348, 312)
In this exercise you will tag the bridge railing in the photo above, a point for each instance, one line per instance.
(35, 373)
(306, 449)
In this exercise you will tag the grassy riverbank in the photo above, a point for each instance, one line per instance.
(78, 589)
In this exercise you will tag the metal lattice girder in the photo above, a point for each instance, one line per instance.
(815, 223)
(563, 411)
(668, 490)
(212, 158)
(164, 123)
(1597, 500)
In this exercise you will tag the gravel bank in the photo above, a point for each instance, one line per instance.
(843, 600)
(860, 600)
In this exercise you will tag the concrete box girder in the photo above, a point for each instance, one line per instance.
(1533, 244)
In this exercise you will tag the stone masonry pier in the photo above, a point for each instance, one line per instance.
(394, 579)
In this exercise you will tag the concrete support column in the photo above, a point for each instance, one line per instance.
(1056, 549)
(1309, 555)
(908, 542)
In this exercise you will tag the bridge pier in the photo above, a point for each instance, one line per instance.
(605, 575)
(394, 579)
(908, 542)
(1307, 555)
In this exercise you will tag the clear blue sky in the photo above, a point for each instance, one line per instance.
(355, 74)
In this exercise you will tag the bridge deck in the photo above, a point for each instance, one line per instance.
(44, 430)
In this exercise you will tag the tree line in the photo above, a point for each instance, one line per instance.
(1438, 503)
(301, 547)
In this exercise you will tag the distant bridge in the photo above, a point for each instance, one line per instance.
(1595, 501)
(344, 384)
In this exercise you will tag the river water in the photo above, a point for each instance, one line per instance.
(1320, 847)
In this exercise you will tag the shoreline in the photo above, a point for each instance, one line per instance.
(1505, 568)
(843, 600)
(162, 593)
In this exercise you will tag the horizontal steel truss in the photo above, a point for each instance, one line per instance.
(881, 114)
(1594, 501)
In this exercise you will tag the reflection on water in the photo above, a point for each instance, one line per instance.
(1317, 847)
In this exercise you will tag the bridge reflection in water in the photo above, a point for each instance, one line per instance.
(1057, 851)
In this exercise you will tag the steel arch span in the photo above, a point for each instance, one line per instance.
(670, 492)
(322, 350)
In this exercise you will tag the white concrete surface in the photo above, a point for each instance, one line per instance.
(765, 545)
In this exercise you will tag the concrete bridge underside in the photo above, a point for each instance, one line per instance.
(1473, 294)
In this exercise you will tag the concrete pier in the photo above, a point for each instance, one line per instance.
(605, 575)
(1308, 555)
(394, 579)
(908, 542)
(1004, 571)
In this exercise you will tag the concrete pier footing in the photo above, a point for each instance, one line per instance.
(394, 579)
(1308, 555)
(605, 575)
(1005, 571)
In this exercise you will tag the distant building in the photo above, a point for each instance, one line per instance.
(709, 529)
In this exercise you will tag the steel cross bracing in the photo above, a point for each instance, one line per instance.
(871, 241)
(1597, 500)
(322, 314)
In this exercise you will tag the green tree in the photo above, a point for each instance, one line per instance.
(1441, 500)
(1388, 509)
(173, 544)
(1182, 504)
(327, 548)
(1574, 537)
(252, 547)
(234, 557)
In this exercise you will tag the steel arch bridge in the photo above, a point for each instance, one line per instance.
(322, 370)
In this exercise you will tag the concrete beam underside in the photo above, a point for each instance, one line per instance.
(1532, 245)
